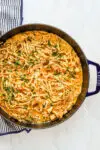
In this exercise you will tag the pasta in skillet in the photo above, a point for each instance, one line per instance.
(40, 77)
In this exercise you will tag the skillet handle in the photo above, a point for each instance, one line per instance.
(97, 90)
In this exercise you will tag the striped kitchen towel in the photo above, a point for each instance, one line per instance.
(10, 16)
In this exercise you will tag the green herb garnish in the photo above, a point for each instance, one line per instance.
(17, 62)
(31, 63)
(44, 105)
(25, 107)
(30, 118)
(23, 78)
(5, 61)
(9, 89)
(29, 38)
(10, 93)
(10, 97)
(60, 55)
(2, 94)
(34, 93)
(47, 96)
(9, 70)
(19, 53)
(67, 69)
(72, 74)
(57, 73)
(26, 67)
(49, 43)
(17, 91)
(55, 53)
(56, 46)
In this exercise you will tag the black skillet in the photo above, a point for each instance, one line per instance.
(85, 66)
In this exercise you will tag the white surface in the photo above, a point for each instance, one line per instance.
(80, 19)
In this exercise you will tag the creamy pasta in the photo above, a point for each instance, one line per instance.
(40, 77)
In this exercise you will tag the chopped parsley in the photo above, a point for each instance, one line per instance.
(56, 46)
(2, 94)
(46, 96)
(17, 62)
(44, 105)
(17, 91)
(29, 38)
(67, 69)
(60, 55)
(25, 107)
(57, 73)
(19, 53)
(31, 62)
(49, 43)
(30, 118)
(34, 93)
(9, 70)
(26, 67)
(10, 93)
(5, 61)
(55, 53)
(71, 73)
(23, 78)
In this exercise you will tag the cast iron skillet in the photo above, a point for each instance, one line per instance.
(84, 64)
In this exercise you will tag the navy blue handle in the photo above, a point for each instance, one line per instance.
(98, 78)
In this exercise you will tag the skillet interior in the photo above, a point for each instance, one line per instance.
(80, 54)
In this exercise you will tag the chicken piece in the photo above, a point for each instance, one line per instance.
(52, 117)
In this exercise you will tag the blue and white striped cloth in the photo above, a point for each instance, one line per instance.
(10, 16)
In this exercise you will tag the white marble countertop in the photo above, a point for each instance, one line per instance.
(80, 19)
